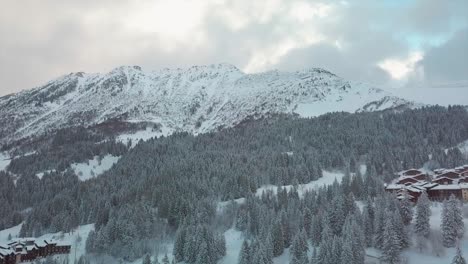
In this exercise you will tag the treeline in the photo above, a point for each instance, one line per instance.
(66, 146)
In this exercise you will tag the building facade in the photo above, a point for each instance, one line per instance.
(29, 249)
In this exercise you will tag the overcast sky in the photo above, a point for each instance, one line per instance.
(390, 43)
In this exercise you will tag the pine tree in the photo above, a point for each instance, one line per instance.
(179, 244)
(405, 209)
(278, 238)
(379, 224)
(165, 259)
(452, 225)
(347, 252)
(401, 230)
(391, 246)
(423, 212)
(299, 247)
(146, 259)
(458, 259)
(203, 256)
(315, 231)
(244, 254)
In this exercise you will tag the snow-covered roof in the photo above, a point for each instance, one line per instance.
(393, 186)
(413, 189)
(447, 187)
(5, 251)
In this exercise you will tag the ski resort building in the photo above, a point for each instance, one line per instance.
(439, 184)
(29, 249)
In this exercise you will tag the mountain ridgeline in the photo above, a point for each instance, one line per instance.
(196, 100)
(174, 183)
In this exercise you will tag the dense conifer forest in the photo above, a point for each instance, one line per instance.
(169, 188)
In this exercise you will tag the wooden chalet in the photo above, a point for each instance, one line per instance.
(446, 182)
(28, 250)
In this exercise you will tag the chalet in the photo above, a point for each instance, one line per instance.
(442, 192)
(444, 180)
(447, 182)
(28, 250)
(7, 256)
(406, 180)
(450, 174)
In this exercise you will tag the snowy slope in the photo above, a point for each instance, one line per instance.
(197, 99)
(94, 167)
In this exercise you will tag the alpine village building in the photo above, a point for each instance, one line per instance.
(29, 249)
(439, 184)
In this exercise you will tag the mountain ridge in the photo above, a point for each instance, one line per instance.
(197, 99)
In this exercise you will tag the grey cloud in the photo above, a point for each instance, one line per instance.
(448, 62)
(45, 39)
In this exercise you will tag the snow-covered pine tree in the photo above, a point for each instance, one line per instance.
(278, 238)
(204, 256)
(347, 252)
(457, 216)
(165, 259)
(406, 210)
(307, 221)
(423, 212)
(245, 254)
(299, 247)
(391, 244)
(452, 225)
(179, 244)
(379, 223)
(337, 246)
(316, 230)
(458, 259)
(402, 231)
(146, 259)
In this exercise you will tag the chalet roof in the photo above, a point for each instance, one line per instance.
(443, 178)
(394, 186)
(402, 196)
(449, 173)
(410, 172)
(5, 251)
(413, 189)
(430, 185)
(447, 187)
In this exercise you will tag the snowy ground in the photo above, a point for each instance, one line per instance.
(77, 239)
(41, 174)
(4, 161)
(93, 168)
(144, 135)
(327, 179)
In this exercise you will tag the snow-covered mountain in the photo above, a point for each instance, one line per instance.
(197, 99)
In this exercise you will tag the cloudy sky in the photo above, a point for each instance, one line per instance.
(406, 44)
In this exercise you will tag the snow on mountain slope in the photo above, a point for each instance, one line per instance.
(198, 99)
(95, 167)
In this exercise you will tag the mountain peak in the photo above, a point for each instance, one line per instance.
(196, 99)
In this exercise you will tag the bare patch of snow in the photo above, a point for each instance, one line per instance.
(327, 179)
(41, 174)
(144, 135)
(94, 167)
(4, 161)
